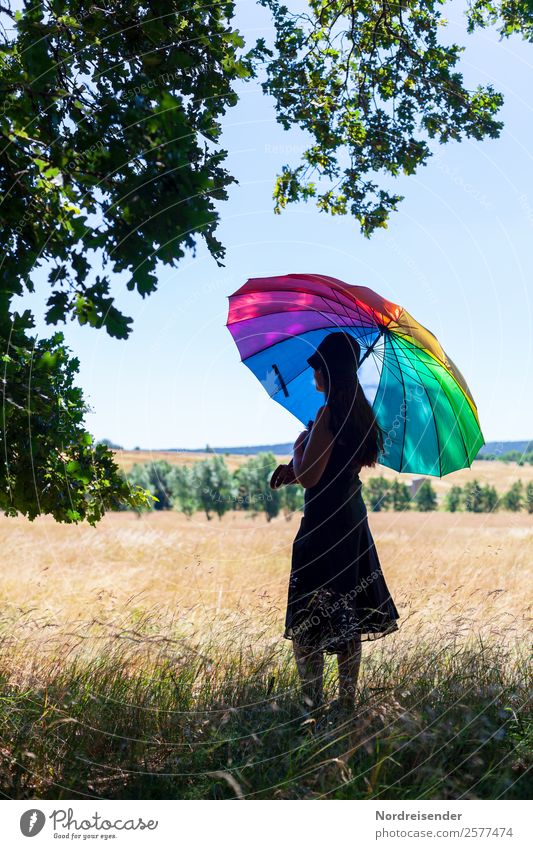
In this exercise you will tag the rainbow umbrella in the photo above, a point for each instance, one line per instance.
(420, 398)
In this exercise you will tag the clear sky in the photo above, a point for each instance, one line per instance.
(457, 255)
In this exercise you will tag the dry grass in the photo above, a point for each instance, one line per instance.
(143, 658)
(126, 459)
(438, 566)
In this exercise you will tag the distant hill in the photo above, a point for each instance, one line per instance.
(497, 448)
(492, 448)
(278, 448)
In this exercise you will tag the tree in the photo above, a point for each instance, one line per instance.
(182, 488)
(426, 498)
(473, 497)
(489, 498)
(510, 16)
(110, 159)
(513, 499)
(214, 485)
(111, 444)
(529, 497)
(376, 493)
(112, 150)
(155, 478)
(292, 499)
(400, 496)
(452, 500)
(253, 478)
(374, 87)
(49, 461)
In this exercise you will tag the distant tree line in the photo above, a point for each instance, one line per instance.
(383, 494)
(521, 457)
(209, 485)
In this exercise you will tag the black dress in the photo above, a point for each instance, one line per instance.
(336, 589)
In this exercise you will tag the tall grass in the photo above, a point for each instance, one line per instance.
(136, 708)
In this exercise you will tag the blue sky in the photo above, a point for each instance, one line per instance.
(457, 255)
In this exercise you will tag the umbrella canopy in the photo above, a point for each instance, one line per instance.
(420, 398)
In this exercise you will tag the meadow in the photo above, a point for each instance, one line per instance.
(143, 658)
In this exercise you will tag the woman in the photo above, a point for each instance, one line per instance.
(337, 593)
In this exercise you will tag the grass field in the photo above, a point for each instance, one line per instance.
(143, 658)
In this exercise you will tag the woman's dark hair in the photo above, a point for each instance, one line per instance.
(352, 419)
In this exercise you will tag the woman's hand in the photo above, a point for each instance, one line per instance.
(283, 475)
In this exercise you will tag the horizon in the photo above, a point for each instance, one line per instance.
(282, 443)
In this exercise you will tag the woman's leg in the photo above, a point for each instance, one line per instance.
(349, 662)
(310, 666)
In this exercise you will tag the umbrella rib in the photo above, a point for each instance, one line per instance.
(457, 420)
(332, 290)
(356, 310)
(414, 365)
(295, 335)
(441, 365)
(405, 411)
(371, 348)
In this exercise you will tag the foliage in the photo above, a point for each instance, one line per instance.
(480, 499)
(214, 485)
(110, 158)
(510, 16)
(489, 498)
(49, 462)
(400, 496)
(425, 497)
(181, 483)
(111, 444)
(376, 492)
(529, 497)
(253, 485)
(293, 500)
(520, 457)
(106, 153)
(155, 477)
(472, 497)
(373, 86)
(453, 499)
(513, 499)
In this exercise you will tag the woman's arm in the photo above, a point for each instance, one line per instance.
(310, 462)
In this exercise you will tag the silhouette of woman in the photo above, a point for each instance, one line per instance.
(337, 594)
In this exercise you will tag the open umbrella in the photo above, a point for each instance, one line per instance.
(420, 398)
